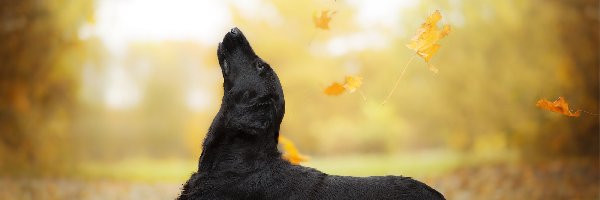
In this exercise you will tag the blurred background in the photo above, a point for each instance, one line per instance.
(111, 99)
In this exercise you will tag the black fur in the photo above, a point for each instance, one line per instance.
(240, 159)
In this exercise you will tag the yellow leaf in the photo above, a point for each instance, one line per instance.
(425, 42)
(323, 20)
(560, 106)
(290, 152)
(334, 89)
(445, 31)
(427, 53)
(352, 83)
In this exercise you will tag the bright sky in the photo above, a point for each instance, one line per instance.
(120, 22)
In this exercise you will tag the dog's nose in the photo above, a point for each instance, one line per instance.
(235, 31)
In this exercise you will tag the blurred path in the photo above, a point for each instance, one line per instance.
(549, 180)
(47, 189)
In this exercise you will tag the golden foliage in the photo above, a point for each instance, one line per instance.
(39, 88)
(425, 42)
(290, 152)
(560, 106)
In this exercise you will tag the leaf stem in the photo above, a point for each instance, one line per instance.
(589, 113)
(313, 37)
(398, 80)
(362, 95)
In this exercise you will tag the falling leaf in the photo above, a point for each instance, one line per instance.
(351, 83)
(425, 42)
(290, 152)
(335, 89)
(559, 106)
(323, 20)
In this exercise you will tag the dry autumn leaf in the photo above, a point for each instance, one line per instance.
(351, 83)
(559, 106)
(290, 152)
(425, 42)
(334, 89)
(322, 21)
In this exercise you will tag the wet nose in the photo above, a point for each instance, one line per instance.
(235, 31)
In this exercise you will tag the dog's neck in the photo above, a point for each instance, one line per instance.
(233, 150)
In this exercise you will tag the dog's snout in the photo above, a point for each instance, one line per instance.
(235, 31)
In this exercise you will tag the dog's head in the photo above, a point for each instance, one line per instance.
(253, 100)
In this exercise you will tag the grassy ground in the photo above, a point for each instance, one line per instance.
(473, 177)
(424, 164)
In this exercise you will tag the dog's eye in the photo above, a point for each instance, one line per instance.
(260, 67)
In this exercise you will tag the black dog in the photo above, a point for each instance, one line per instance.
(240, 159)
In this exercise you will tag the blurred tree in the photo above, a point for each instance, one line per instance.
(579, 33)
(40, 57)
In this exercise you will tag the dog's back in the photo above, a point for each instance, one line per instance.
(375, 187)
(282, 180)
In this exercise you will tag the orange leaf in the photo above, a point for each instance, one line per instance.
(291, 153)
(351, 83)
(334, 89)
(323, 20)
(559, 106)
(425, 42)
